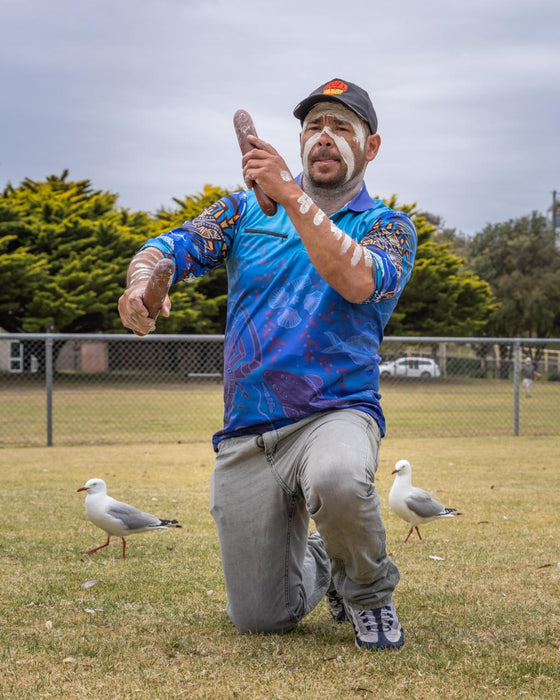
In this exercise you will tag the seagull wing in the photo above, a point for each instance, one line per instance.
(423, 504)
(132, 518)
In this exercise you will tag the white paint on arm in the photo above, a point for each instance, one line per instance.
(357, 255)
(142, 266)
(318, 218)
(305, 203)
(336, 232)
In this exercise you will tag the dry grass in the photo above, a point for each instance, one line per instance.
(482, 622)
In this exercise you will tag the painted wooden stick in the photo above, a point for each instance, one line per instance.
(244, 127)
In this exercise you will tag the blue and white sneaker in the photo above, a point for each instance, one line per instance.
(375, 629)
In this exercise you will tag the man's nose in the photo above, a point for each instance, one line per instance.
(325, 139)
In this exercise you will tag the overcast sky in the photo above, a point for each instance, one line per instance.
(138, 95)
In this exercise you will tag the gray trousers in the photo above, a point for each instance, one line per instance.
(264, 490)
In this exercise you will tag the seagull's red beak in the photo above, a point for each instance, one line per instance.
(82, 488)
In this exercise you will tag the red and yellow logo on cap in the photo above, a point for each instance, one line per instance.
(335, 87)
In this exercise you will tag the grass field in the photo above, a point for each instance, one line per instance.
(481, 621)
(89, 413)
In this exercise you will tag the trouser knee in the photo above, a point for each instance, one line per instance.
(249, 621)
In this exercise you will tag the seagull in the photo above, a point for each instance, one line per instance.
(412, 504)
(116, 518)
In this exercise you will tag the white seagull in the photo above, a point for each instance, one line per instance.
(413, 504)
(116, 518)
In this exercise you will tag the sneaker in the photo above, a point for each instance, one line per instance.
(376, 629)
(336, 606)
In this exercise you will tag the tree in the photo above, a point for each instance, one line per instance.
(442, 298)
(519, 260)
(64, 251)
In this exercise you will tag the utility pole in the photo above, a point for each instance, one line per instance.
(555, 219)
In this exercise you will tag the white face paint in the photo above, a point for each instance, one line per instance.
(338, 111)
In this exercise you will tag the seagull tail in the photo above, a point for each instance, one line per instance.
(170, 523)
(450, 513)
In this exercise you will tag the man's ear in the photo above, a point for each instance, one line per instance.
(373, 144)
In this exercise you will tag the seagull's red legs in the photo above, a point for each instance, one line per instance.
(91, 551)
(411, 531)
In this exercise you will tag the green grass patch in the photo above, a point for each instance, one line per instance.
(483, 621)
(98, 413)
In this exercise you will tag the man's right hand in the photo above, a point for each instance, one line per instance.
(134, 314)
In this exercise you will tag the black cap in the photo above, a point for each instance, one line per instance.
(354, 97)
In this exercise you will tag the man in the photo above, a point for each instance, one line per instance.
(310, 292)
(528, 373)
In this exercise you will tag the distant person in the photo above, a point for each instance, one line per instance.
(310, 292)
(528, 372)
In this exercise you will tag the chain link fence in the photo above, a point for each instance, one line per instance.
(107, 389)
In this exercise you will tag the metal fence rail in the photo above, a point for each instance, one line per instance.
(59, 389)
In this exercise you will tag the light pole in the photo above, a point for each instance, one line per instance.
(555, 219)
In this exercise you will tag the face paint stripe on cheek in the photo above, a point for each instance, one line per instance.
(306, 150)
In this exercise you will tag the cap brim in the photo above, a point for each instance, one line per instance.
(304, 107)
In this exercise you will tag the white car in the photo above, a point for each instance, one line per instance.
(416, 367)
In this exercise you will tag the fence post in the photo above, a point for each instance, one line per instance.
(49, 386)
(516, 369)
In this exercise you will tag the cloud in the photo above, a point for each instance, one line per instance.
(139, 95)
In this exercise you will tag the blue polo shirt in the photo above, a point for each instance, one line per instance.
(293, 345)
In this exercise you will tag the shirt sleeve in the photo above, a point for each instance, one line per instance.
(201, 245)
(391, 242)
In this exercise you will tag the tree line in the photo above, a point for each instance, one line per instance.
(65, 248)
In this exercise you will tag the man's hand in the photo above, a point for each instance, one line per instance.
(265, 166)
(134, 314)
(132, 310)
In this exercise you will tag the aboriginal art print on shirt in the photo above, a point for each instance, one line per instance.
(293, 345)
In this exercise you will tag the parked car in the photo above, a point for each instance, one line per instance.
(417, 367)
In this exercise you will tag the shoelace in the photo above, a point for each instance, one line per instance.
(384, 616)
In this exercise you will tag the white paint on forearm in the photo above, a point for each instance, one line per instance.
(305, 203)
(319, 216)
(142, 265)
(141, 271)
(346, 243)
(336, 232)
(357, 255)
(285, 175)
